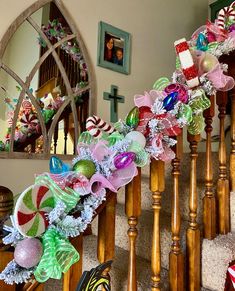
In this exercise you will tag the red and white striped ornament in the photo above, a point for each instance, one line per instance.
(27, 106)
(231, 271)
(95, 126)
(224, 14)
(188, 67)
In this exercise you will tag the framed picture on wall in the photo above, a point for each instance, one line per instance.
(113, 48)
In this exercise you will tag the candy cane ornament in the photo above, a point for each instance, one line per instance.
(224, 14)
(189, 69)
(96, 126)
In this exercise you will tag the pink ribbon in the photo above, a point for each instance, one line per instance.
(220, 81)
(163, 152)
(119, 178)
(148, 98)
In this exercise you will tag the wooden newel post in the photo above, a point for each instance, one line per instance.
(106, 233)
(193, 232)
(223, 183)
(157, 185)
(133, 211)
(209, 202)
(6, 207)
(176, 258)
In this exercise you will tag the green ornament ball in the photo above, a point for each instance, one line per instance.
(85, 167)
(132, 118)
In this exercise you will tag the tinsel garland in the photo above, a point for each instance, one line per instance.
(13, 273)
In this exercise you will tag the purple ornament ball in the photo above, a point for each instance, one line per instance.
(123, 160)
(28, 252)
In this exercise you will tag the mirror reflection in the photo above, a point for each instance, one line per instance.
(40, 107)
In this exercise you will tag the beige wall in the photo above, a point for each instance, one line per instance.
(154, 26)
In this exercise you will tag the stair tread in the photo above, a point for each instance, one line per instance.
(120, 267)
(145, 228)
(216, 256)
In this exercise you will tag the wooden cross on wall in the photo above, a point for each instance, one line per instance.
(114, 98)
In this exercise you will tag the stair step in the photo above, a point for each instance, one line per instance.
(146, 201)
(120, 267)
(145, 229)
(216, 256)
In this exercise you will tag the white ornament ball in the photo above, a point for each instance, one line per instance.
(137, 136)
(28, 252)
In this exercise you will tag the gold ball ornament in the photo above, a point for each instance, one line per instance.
(85, 167)
(208, 62)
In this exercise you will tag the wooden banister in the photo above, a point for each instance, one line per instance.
(157, 186)
(133, 211)
(209, 202)
(176, 258)
(223, 183)
(232, 153)
(106, 233)
(193, 232)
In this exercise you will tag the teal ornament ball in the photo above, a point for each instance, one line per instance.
(132, 118)
(85, 167)
(202, 42)
(57, 166)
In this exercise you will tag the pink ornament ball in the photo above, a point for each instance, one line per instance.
(28, 252)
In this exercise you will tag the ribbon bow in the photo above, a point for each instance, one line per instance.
(67, 195)
(198, 103)
(58, 256)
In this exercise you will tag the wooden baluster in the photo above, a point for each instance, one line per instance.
(56, 137)
(223, 183)
(176, 258)
(209, 203)
(193, 232)
(73, 275)
(106, 233)
(133, 211)
(66, 130)
(157, 185)
(232, 154)
(6, 207)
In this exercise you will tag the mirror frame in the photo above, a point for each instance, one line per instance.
(26, 16)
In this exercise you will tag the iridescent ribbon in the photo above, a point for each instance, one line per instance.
(67, 195)
(198, 103)
(58, 256)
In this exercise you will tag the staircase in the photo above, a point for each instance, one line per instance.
(216, 254)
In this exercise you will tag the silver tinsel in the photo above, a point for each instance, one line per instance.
(14, 236)
(121, 146)
(70, 226)
(207, 85)
(157, 107)
(57, 212)
(13, 273)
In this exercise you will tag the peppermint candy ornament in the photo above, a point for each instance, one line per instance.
(188, 68)
(95, 126)
(31, 210)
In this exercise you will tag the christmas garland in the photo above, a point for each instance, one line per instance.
(108, 156)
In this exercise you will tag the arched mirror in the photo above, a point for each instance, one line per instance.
(46, 85)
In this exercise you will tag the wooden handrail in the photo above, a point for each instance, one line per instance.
(223, 183)
(176, 257)
(157, 186)
(209, 202)
(193, 232)
(133, 211)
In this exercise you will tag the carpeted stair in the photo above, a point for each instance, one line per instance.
(216, 254)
